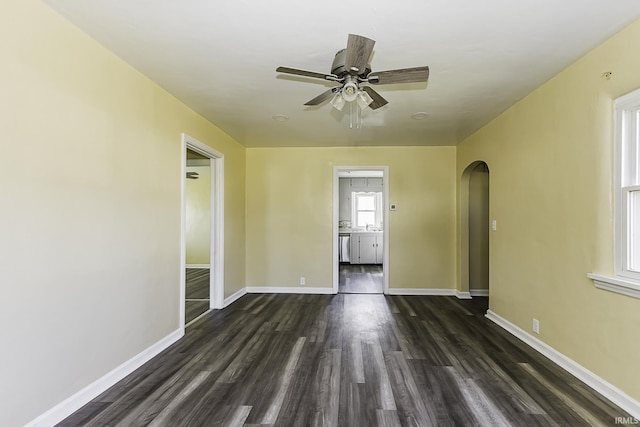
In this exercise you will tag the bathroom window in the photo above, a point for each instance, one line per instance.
(367, 209)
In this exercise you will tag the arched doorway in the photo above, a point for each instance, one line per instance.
(474, 230)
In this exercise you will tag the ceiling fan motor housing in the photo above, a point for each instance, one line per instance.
(338, 68)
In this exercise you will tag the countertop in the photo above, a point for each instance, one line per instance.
(351, 230)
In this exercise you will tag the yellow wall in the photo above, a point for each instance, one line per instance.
(550, 158)
(198, 216)
(290, 214)
(90, 219)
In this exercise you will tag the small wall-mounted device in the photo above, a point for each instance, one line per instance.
(393, 207)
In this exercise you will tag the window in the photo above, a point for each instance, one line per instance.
(627, 185)
(626, 200)
(367, 209)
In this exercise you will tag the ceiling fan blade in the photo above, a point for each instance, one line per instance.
(323, 97)
(304, 73)
(358, 53)
(378, 100)
(403, 75)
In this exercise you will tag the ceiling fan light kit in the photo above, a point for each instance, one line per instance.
(364, 99)
(338, 101)
(351, 69)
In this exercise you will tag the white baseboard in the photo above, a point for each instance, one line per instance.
(606, 389)
(288, 290)
(463, 295)
(422, 291)
(439, 292)
(233, 298)
(67, 407)
(198, 266)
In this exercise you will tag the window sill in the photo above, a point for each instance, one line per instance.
(619, 285)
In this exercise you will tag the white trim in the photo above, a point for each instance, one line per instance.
(183, 234)
(217, 227)
(235, 297)
(479, 292)
(288, 290)
(68, 406)
(603, 387)
(624, 178)
(197, 266)
(463, 295)
(385, 220)
(619, 285)
(216, 263)
(198, 162)
(422, 291)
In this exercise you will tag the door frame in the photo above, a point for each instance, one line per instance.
(385, 216)
(216, 245)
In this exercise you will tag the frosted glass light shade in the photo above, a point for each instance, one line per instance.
(337, 101)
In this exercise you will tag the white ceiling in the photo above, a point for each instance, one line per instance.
(219, 58)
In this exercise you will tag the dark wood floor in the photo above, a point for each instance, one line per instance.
(360, 279)
(197, 293)
(348, 360)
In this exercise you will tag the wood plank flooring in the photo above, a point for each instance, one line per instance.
(197, 293)
(348, 360)
(360, 279)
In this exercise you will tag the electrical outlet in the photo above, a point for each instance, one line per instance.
(302, 280)
(536, 326)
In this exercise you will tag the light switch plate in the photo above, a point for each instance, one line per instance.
(393, 207)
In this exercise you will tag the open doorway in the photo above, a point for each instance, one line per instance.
(202, 249)
(198, 235)
(360, 229)
(475, 226)
(479, 230)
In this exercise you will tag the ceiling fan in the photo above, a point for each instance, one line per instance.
(351, 69)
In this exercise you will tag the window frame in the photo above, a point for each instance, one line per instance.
(377, 211)
(626, 179)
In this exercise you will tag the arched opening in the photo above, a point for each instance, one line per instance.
(474, 231)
